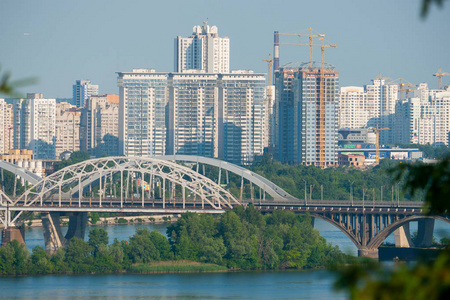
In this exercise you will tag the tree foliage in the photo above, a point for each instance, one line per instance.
(425, 279)
(241, 238)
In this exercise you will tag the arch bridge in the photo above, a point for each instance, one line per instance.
(160, 185)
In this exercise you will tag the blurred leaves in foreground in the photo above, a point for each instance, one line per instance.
(424, 279)
(9, 88)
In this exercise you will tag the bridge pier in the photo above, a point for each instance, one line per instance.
(11, 233)
(403, 237)
(53, 237)
(425, 233)
(366, 252)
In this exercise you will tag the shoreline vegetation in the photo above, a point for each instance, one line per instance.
(239, 239)
(98, 220)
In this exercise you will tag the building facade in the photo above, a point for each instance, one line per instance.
(6, 126)
(242, 117)
(204, 51)
(306, 124)
(354, 109)
(35, 125)
(67, 126)
(382, 98)
(424, 118)
(192, 114)
(82, 90)
(99, 127)
(142, 112)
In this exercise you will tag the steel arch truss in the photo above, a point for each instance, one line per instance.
(276, 192)
(76, 178)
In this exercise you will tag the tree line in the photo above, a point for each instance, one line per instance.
(241, 238)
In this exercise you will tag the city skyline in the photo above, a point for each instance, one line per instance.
(59, 43)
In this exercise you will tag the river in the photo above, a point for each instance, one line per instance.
(309, 284)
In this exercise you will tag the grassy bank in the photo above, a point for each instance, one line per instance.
(176, 266)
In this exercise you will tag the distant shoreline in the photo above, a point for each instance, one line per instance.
(116, 220)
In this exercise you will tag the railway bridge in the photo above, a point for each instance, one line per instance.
(177, 184)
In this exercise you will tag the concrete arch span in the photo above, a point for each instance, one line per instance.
(368, 246)
(382, 235)
(76, 178)
(276, 192)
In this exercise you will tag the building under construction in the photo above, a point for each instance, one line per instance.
(306, 119)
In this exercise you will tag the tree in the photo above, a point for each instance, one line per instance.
(78, 255)
(97, 237)
(424, 280)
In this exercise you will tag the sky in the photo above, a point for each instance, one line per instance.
(59, 42)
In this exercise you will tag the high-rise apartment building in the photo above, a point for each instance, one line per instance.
(67, 126)
(283, 138)
(82, 90)
(424, 118)
(142, 112)
(381, 99)
(100, 125)
(192, 114)
(242, 117)
(217, 115)
(6, 126)
(354, 109)
(34, 125)
(204, 50)
(306, 124)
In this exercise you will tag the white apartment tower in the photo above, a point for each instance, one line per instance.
(217, 115)
(204, 50)
(242, 119)
(424, 118)
(142, 105)
(354, 109)
(67, 126)
(82, 90)
(6, 126)
(100, 125)
(193, 112)
(381, 99)
(35, 125)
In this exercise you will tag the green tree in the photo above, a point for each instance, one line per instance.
(40, 261)
(78, 255)
(97, 237)
(423, 280)
(141, 248)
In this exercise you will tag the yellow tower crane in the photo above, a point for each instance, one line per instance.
(311, 35)
(377, 145)
(439, 75)
(403, 86)
(270, 98)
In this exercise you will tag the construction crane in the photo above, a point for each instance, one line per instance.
(311, 35)
(322, 108)
(377, 145)
(403, 87)
(322, 88)
(439, 75)
(270, 96)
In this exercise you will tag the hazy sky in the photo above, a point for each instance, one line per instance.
(62, 41)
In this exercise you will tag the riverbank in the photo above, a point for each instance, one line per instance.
(176, 266)
(116, 220)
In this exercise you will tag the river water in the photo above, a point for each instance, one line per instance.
(310, 284)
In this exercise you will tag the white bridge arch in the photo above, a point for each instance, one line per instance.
(276, 192)
(75, 179)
